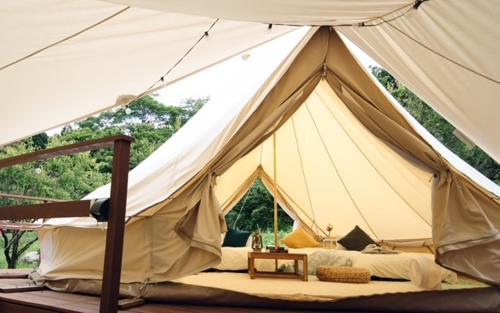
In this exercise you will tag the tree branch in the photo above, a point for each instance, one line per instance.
(26, 246)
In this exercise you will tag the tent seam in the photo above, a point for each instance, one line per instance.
(338, 173)
(65, 38)
(303, 171)
(369, 161)
(283, 195)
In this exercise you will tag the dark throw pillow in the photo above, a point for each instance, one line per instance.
(356, 239)
(236, 238)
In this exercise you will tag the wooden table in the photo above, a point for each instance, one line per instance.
(296, 257)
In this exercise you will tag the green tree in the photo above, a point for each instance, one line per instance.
(71, 177)
(68, 177)
(255, 210)
(438, 126)
(150, 122)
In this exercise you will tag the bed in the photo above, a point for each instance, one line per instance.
(386, 266)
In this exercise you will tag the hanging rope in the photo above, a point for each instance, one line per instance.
(442, 55)
(162, 78)
(242, 206)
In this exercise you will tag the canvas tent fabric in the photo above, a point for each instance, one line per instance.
(346, 156)
(78, 58)
(452, 67)
(65, 52)
(153, 250)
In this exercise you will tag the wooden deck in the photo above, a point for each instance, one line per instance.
(19, 294)
(50, 301)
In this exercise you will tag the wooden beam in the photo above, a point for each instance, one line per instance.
(19, 226)
(95, 144)
(116, 228)
(46, 210)
(23, 197)
(21, 288)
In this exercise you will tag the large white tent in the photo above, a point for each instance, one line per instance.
(67, 60)
(345, 155)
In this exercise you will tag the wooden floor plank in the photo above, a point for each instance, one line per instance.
(15, 273)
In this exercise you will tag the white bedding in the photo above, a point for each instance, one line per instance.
(393, 266)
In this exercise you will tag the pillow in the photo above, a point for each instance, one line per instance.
(356, 239)
(236, 238)
(299, 238)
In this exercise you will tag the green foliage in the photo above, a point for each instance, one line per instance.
(255, 210)
(150, 122)
(438, 126)
(71, 177)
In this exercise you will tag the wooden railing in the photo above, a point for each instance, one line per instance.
(50, 208)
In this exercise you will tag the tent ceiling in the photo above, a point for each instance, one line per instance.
(76, 58)
(453, 68)
(62, 61)
(331, 169)
(295, 12)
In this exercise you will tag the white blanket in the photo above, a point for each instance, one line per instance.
(393, 266)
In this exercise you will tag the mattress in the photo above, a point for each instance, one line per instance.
(390, 266)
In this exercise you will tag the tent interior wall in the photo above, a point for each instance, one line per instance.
(346, 155)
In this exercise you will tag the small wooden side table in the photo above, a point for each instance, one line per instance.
(296, 257)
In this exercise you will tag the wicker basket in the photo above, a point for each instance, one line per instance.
(343, 274)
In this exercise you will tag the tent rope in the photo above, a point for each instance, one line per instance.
(363, 20)
(65, 38)
(411, 7)
(408, 10)
(243, 205)
(444, 56)
(162, 78)
(304, 174)
(369, 161)
(338, 173)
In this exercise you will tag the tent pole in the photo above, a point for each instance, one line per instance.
(275, 192)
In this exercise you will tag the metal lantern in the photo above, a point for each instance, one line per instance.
(257, 241)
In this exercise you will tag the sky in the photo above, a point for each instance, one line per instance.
(212, 81)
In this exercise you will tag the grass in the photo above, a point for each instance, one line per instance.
(268, 236)
(34, 247)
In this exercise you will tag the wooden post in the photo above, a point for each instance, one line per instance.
(116, 228)
(276, 236)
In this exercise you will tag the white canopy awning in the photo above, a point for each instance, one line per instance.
(445, 51)
(62, 61)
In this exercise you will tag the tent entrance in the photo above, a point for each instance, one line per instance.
(255, 211)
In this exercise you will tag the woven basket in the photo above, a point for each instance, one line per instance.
(343, 274)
